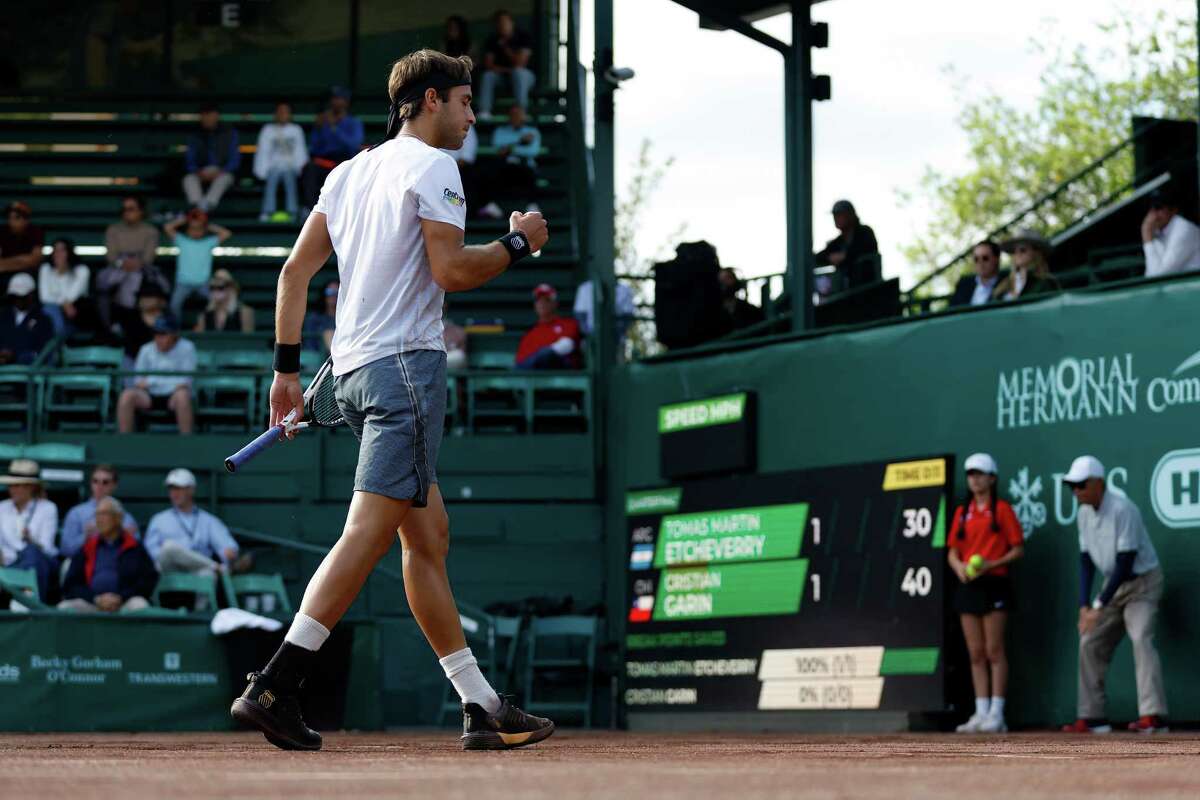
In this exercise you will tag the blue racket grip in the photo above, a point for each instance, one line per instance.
(264, 440)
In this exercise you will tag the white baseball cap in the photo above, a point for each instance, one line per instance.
(982, 462)
(21, 284)
(1083, 468)
(180, 477)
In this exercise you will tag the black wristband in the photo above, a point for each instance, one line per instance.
(287, 358)
(517, 245)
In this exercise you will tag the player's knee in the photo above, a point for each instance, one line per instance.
(429, 540)
(978, 655)
(995, 653)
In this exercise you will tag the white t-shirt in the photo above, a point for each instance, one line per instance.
(374, 203)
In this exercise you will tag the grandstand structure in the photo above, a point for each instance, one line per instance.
(535, 468)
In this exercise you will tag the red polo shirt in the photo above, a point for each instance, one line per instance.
(975, 536)
(544, 334)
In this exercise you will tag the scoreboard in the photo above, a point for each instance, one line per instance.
(807, 590)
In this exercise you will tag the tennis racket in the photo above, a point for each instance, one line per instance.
(320, 409)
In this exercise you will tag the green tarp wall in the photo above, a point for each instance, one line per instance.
(1113, 373)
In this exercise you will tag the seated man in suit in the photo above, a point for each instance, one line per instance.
(976, 289)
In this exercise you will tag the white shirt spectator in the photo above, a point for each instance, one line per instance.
(1174, 249)
(583, 309)
(470, 148)
(1116, 527)
(39, 517)
(197, 530)
(180, 358)
(280, 147)
(58, 288)
(983, 290)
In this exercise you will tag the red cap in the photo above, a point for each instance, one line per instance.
(545, 290)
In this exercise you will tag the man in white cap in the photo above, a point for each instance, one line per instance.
(1113, 541)
(185, 538)
(24, 329)
(28, 523)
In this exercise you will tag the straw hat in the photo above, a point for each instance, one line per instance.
(22, 470)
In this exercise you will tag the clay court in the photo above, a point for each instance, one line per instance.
(412, 764)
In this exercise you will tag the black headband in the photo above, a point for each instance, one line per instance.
(409, 93)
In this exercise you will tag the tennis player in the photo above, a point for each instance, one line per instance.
(395, 216)
(985, 526)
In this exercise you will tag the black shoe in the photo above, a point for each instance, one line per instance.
(509, 727)
(275, 711)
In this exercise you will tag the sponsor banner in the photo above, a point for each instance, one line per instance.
(731, 590)
(1175, 489)
(654, 501)
(702, 413)
(738, 534)
(816, 695)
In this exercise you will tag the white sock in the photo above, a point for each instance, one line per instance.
(998, 706)
(981, 706)
(306, 632)
(463, 671)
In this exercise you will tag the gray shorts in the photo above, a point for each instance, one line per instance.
(396, 407)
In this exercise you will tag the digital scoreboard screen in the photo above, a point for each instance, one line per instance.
(816, 589)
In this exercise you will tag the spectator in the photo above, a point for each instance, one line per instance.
(1030, 271)
(212, 159)
(28, 522)
(506, 54)
(1113, 541)
(20, 241)
(193, 266)
(584, 309)
(854, 252)
(977, 289)
(985, 538)
(113, 571)
(225, 311)
(457, 39)
(24, 329)
(1171, 243)
(742, 313)
(280, 155)
(336, 137)
(185, 538)
(167, 353)
(455, 337)
(553, 343)
(80, 522)
(138, 326)
(130, 246)
(319, 325)
(517, 145)
(62, 285)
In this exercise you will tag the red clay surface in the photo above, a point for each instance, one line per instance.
(577, 764)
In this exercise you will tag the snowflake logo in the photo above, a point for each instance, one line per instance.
(1031, 513)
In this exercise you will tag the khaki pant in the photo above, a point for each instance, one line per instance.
(1133, 609)
(134, 603)
(174, 557)
(193, 187)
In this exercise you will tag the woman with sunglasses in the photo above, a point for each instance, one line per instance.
(1030, 274)
(225, 311)
(984, 539)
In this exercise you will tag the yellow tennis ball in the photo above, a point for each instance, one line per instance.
(975, 562)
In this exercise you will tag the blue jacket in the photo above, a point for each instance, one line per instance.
(27, 339)
(338, 142)
(136, 573)
(217, 148)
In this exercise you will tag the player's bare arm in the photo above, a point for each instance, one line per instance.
(312, 250)
(458, 267)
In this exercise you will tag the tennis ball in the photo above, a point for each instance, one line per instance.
(973, 565)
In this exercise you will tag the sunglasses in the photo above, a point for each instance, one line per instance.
(986, 257)
(218, 287)
(102, 481)
(1075, 487)
(975, 473)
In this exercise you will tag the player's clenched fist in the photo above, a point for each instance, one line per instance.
(533, 225)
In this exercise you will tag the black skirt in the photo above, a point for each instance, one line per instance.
(985, 594)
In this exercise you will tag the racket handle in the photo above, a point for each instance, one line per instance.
(264, 440)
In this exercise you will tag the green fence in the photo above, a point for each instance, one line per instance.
(1113, 373)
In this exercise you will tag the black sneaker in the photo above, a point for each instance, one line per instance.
(509, 727)
(275, 711)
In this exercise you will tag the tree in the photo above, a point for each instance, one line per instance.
(1088, 98)
(631, 205)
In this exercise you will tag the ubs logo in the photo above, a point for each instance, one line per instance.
(1175, 489)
